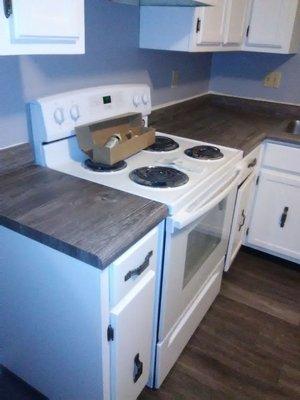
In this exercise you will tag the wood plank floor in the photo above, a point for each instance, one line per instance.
(246, 348)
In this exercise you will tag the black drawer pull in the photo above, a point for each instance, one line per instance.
(138, 368)
(139, 270)
(244, 219)
(198, 25)
(284, 217)
(252, 163)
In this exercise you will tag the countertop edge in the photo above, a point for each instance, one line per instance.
(72, 250)
(50, 241)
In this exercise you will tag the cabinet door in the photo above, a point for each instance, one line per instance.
(235, 21)
(43, 20)
(132, 320)
(266, 23)
(42, 27)
(275, 220)
(210, 23)
(240, 218)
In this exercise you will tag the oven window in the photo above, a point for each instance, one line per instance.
(203, 240)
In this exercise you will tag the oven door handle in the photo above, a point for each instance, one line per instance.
(184, 218)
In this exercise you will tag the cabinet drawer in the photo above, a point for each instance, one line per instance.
(251, 163)
(282, 157)
(129, 269)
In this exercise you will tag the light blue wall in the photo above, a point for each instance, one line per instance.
(112, 56)
(242, 74)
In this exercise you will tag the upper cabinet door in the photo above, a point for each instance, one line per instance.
(45, 20)
(210, 24)
(235, 21)
(266, 23)
(42, 27)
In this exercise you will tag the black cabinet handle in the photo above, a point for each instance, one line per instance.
(244, 219)
(139, 270)
(7, 6)
(248, 30)
(138, 368)
(252, 163)
(284, 217)
(198, 26)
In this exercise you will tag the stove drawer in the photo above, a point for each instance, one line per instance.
(128, 270)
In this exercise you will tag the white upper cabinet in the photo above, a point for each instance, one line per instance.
(209, 24)
(226, 25)
(220, 27)
(235, 22)
(274, 26)
(41, 27)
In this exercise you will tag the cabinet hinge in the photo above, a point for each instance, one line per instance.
(110, 333)
(248, 30)
(7, 6)
(247, 232)
(257, 180)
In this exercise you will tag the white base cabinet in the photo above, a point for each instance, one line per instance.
(42, 27)
(132, 321)
(132, 298)
(275, 219)
(243, 204)
(240, 219)
(276, 216)
(54, 316)
(73, 331)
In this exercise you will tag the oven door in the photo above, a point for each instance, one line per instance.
(196, 242)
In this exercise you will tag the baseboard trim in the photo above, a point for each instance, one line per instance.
(285, 263)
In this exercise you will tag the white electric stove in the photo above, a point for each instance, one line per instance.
(66, 156)
(199, 192)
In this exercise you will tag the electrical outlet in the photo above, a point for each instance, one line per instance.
(269, 79)
(175, 78)
(273, 79)
(277, 79)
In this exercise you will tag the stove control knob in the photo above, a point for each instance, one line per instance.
(145, 99)
(137, 100)
(59, 116)
(74, 112)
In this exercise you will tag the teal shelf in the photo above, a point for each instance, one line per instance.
(163, 3)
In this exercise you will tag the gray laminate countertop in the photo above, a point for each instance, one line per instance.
(85, 220)
(228, 121)
(96, 224)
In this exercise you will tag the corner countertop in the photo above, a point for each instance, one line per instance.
(228, 121)
(87, 221)
(96, 224)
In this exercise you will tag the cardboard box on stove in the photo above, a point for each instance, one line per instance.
(93, 137)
